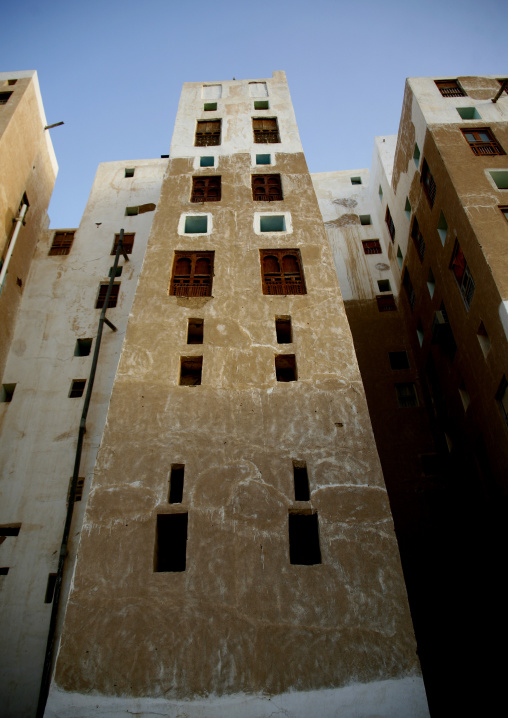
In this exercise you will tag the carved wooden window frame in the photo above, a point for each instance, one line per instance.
(206, 189)
(267, 188)
(62, 244)
(285, 277)
(193, 283)
(208, 133)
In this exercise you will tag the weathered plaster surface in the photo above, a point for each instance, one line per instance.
(39, 426)
(240, 618)
(382, 699)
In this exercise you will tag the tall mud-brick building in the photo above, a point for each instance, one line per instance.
(237, 554)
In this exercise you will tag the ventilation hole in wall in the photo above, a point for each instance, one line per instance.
(304, 539)
(83, 347)
(176, 483)
(190, 371)
(285, 367)
(301, 481)
(283, 330)
(195, 331)
(171, 542)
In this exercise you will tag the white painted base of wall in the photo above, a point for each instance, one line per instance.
(382, 699)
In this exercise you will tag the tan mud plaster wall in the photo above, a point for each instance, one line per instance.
(240, 618)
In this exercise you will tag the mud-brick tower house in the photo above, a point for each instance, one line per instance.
(237, 555)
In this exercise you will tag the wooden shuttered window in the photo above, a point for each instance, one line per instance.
(450, 88)
(207, 133)
(371, 246)
(389, 223)
(113, 297)
(386, 303)
(429, 185)
(128, 243)
(206, 189)
(462, 274)
(266, 130)
(266, 188)
(482, 141)
(62, 243)
(281, 271)
(192, 274)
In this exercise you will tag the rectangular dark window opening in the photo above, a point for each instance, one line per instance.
(78, 493)
(176, 483)
(9, 530)
(171, 543)
(285, 367)
(282, 271)
(118, 272)
(129, 171)
(6, 392)
(384, 285)
(429, 186)
(113, 297)
(389, 223)
(301, 481)
(83, 347)
(195, 331)
(206, 161)
(128, 242)
(77, 388)
(192, 274)
(283, 330)
(207, 133)
(50, 588)
(386, 303)
(418, 240)
(266, 130)
(209, 106)
(4, 570)
(266, 188)
(190, 371)
(406, 395)
(371, 246)
(356, 180)
(261, 105)
(62, 243)
(206, 189)
(398, 360)
(4, 97)
(462, 274)
(304, 539)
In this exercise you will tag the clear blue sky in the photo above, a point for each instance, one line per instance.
(112, 71)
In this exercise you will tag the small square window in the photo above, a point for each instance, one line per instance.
(500, 178)
(195, 331)
(4, 97)
(128, 243)
(83, 347)
(416, 155)
(384, 285)
(406, 395)
(196, 224)
(11, 82)
(442, 228)
(371, 246)
(407, 208)
(398, 360)
(129, 171)
(263, 159)
(258, 89)
(483, 339)
(431, 283)
(77, 388)
(504, 211)
(356, 180)
(4, 570)
(261, 105)
(285, 367)
(365, 219)
(131, 211)
(190, 371)
(62, 243)
(118, 272)
(283, 330)
(272, 223)
(209, 106)
(6, 392)
(386, 303)
(207, 161)
(468, 113)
